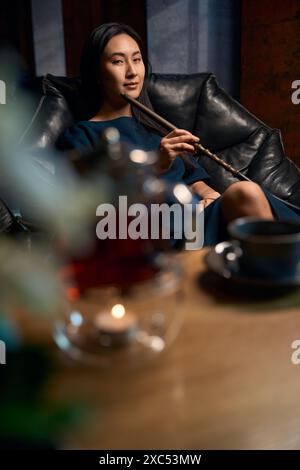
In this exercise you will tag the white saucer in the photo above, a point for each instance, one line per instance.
(223, 261)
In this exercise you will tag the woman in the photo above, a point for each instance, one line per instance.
(113, 62)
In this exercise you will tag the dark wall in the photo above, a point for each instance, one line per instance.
(80, 17)
(194, 36)
(16, 29)
(270, 63)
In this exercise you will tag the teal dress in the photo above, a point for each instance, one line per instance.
(84, 136)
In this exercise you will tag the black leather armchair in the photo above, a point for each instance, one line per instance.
(194, 102)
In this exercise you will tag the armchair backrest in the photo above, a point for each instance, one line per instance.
(194, 102)
(197, 103)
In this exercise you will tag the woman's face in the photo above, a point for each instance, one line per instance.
(121, 64)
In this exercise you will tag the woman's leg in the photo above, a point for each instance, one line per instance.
(245, 198)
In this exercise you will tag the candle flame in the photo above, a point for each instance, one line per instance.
(118, 311)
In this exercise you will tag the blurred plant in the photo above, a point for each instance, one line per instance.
(28, 280)
(27, 419)
(62, 206)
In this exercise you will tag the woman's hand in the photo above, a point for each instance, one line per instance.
(179, 140)
(207, 193)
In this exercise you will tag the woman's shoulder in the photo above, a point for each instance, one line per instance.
(97, 126)
(81, 125)
(84, 135)
(77, 128)
(78, 136)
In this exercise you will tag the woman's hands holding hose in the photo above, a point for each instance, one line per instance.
(176, 142)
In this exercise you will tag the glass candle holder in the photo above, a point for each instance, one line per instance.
(109, 325)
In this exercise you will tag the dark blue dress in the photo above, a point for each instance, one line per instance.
(84, 136)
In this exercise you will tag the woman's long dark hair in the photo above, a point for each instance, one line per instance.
(89, 71)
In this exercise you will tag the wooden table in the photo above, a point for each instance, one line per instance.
(227, 382)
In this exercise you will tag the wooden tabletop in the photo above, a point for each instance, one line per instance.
(227, 381)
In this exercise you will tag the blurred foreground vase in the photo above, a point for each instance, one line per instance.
(125, 297)
(117, 325)
(114, 256)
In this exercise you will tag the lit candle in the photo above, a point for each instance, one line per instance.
(117, 326)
